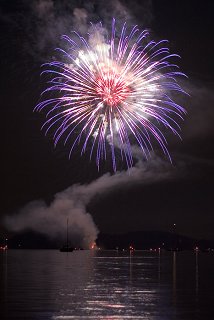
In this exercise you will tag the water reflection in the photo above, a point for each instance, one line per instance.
(196, 274)
(130, 265)
(3, 280)
(120, 289)
(44, 285)
(159, 264)
(174, 277)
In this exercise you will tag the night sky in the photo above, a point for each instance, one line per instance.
(33, 169)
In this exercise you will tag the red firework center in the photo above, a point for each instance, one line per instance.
(111, 88)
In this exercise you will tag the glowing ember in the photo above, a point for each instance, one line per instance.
(93, 246)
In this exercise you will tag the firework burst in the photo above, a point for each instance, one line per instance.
(111, 93)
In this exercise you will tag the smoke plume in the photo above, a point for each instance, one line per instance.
(71, 203)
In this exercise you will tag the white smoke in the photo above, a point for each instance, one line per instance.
(72, 203)
(43, 22)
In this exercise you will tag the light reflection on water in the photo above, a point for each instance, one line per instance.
(106, 285)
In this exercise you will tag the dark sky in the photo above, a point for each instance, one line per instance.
(31, 167)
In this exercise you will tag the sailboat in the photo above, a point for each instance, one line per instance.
(66, 247)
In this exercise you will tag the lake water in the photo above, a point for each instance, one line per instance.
(47, 284)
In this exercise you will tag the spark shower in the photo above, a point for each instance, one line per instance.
(108, 93)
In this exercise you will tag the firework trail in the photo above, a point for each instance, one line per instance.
(112, 93)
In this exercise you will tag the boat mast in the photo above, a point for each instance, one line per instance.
(67, 232)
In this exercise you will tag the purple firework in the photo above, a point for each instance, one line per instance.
(112, 93)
